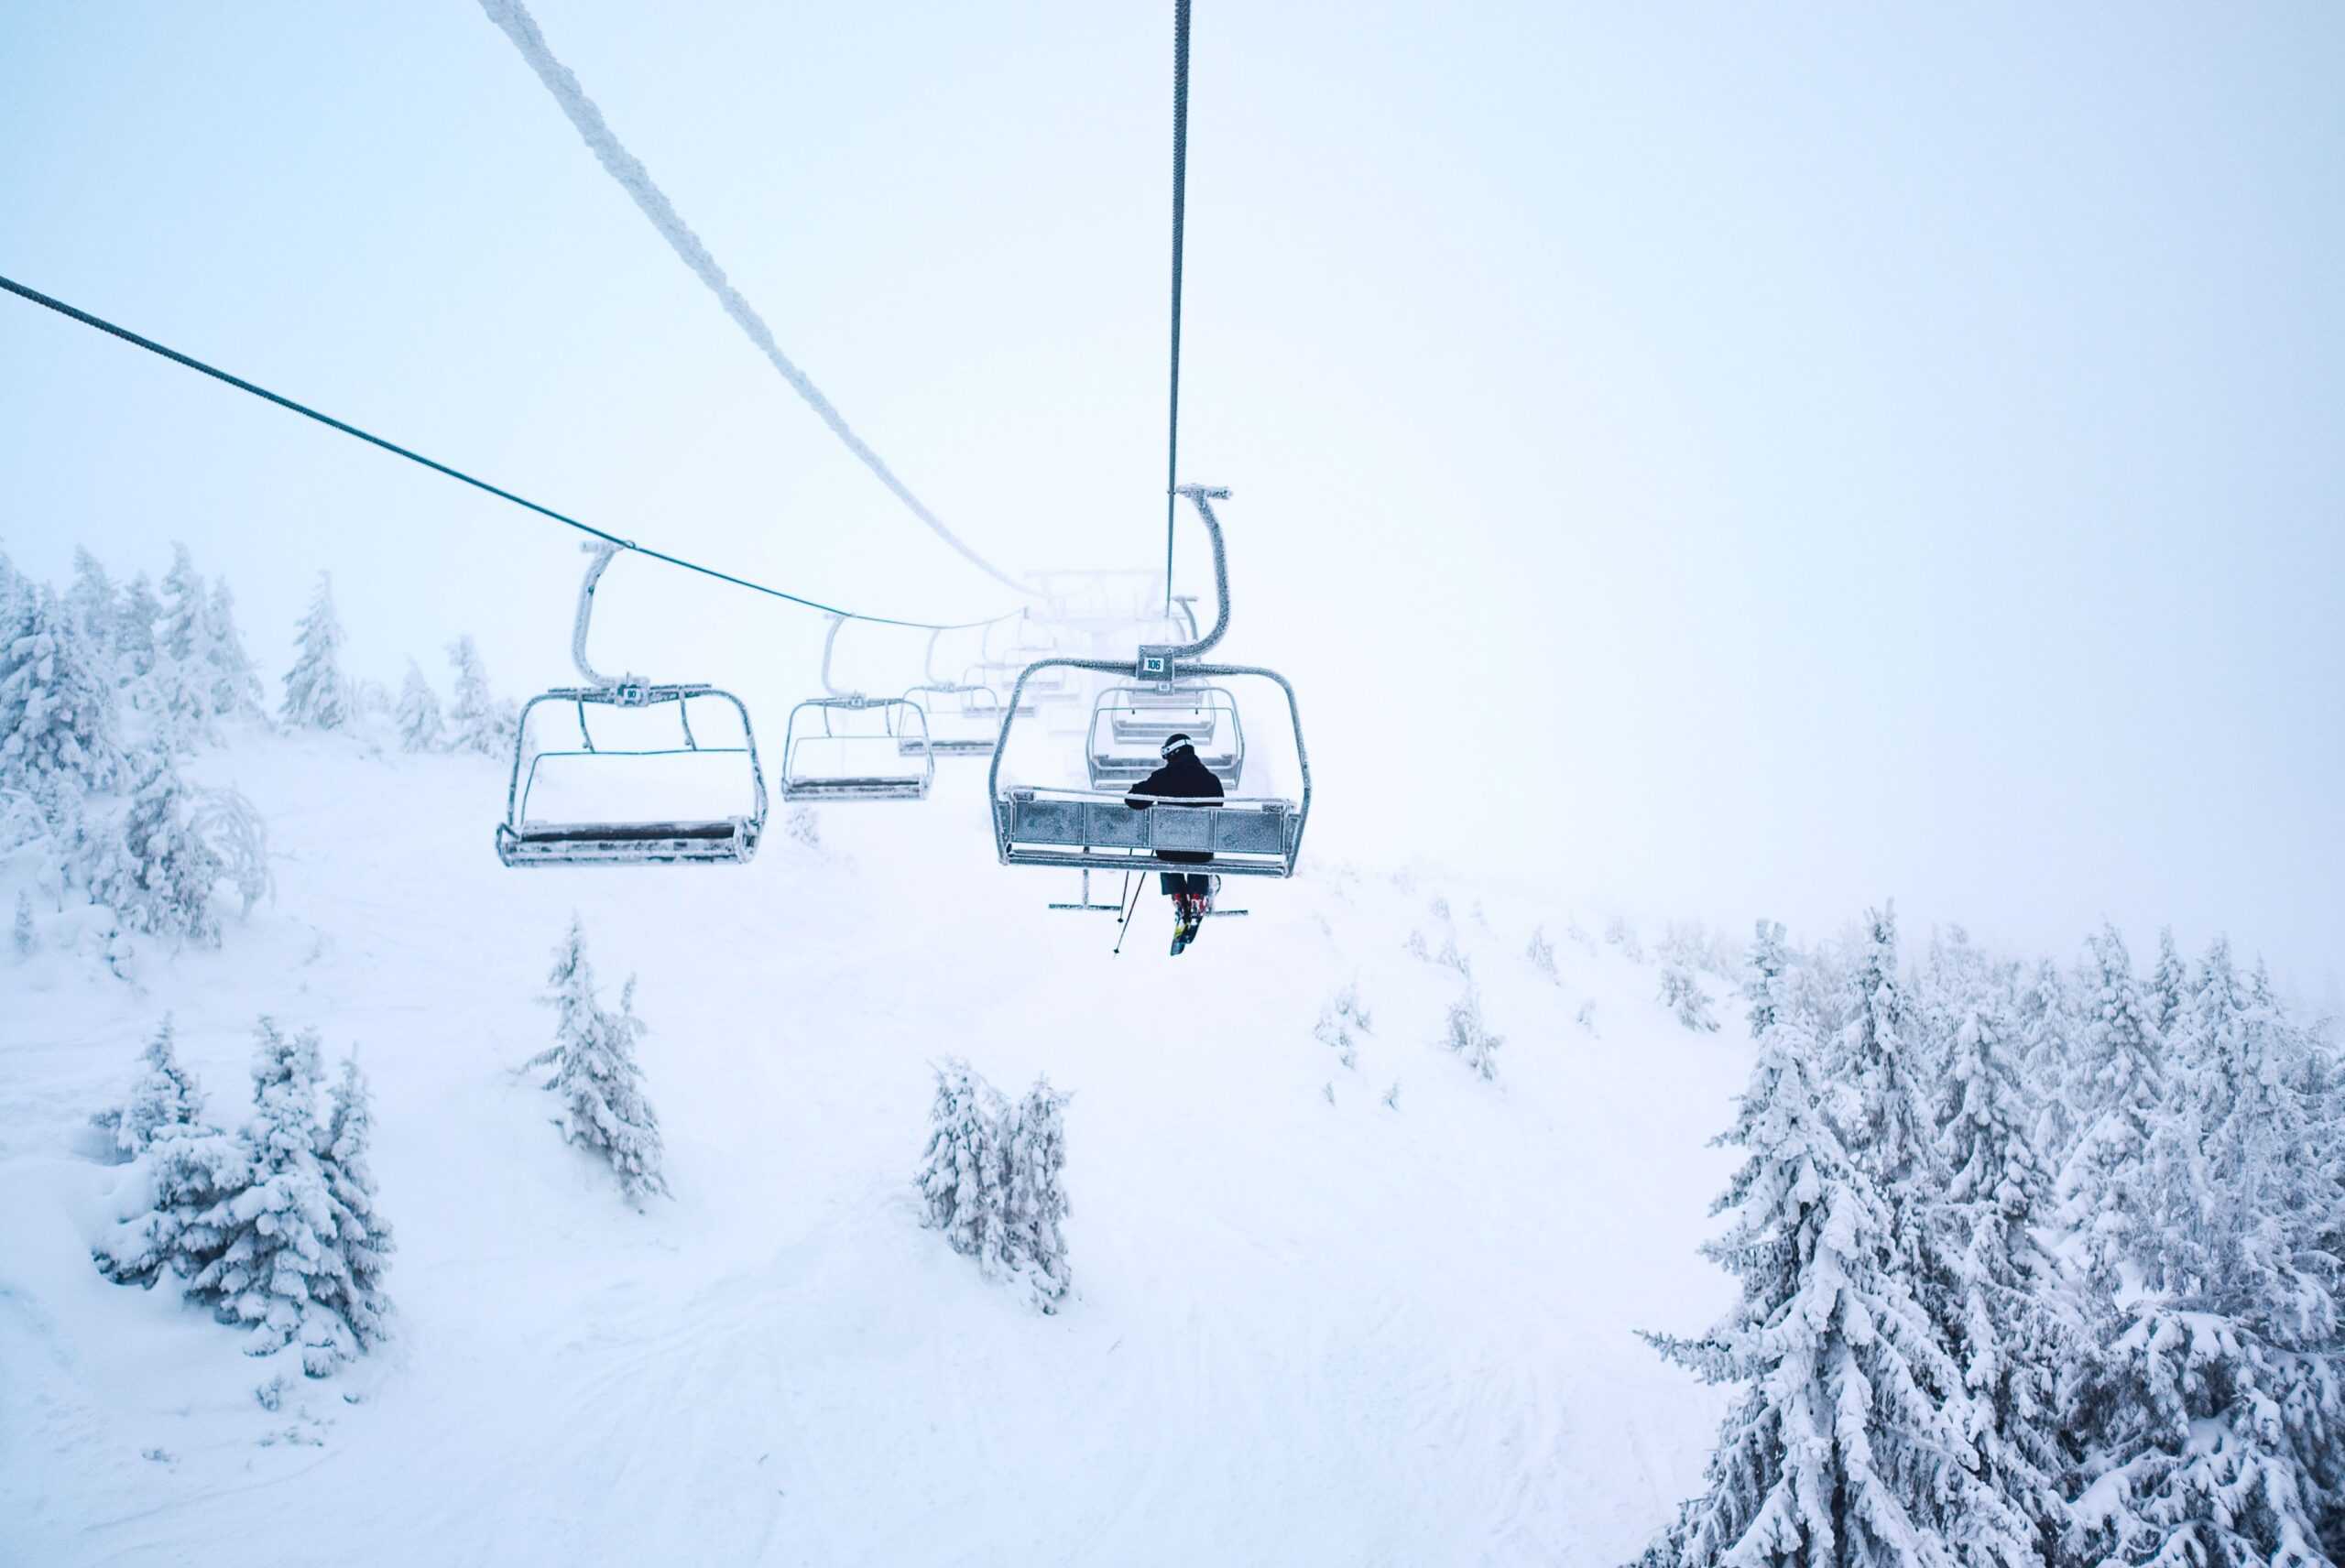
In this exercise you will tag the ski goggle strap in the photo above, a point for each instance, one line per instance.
(1173, 743)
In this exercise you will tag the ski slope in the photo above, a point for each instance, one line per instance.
(1303, 1333)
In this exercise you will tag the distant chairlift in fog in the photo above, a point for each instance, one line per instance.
(865, 746)
(526, 839)
(963, 717)
(1097, 829)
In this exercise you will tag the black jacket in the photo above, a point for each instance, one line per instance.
(1182, 777)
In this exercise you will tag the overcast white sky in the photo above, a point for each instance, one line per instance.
(1712, 460)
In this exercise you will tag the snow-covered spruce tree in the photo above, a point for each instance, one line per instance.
(1764, 968)
(236, 683)
(2169, 985)
(2011, 1338)
(595, 1075)
(21, 935)
(194, 1176)
(1848, 1446)
(181, 632)
(158, 874)
(1683, 994)
(964, 1171)
(281, 1272)
(477, 722)
(2117, 1087)
(2209, 1407)
(58, 724)
(134, 630)
(360, 1232)
(90, 603)
(1880, 1059)
(1542, 954)
(417, 714)
(1035, 1203)
(316, 696)
(2045, 1030)
(163, 1098)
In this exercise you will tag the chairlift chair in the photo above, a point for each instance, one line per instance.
(964, 718)
(524, 839)
(1098, 829)
(848, 761)
(1129, 725)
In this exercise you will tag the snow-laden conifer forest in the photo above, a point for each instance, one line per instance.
(360, 1189)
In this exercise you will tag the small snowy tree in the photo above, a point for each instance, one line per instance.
(1542, 954)
(1035, 1203)
(595, 1075)
(360, 1232)
(477, 722)
(2044, 1030)
(2169, 985)
(22, 937)
(418, 712)
(1683, 994)
(235, 684)
(1466, 1033)
(316, 696)
(962, 1171)
(162, 1098)
(194, 1176)
(158, 875)
(58, 723)
(280, 1273)
(1849, 1446)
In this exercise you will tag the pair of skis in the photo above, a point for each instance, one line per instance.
(1188, 919)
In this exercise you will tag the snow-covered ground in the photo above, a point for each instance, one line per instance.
(1304, 1331)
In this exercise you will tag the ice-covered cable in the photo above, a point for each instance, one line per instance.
(514, 20)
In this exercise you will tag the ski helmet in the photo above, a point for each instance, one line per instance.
(1173, 743)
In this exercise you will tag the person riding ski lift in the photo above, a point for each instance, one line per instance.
(1182, 777)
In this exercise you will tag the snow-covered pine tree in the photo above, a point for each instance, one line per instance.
(236, 683)
(163, 1098)
(57, 725)
(1035, 1199)
(417, 714)
(1542, 954)
(963, 1176)
(1763, 985)
(179, 632)
(1683, 994)
(360, 1231)
(90, 603)
(2169, 985)
(134, 630)
(316, 695)
(1848, 1446)
(2011, 1340)
(21, 936)
(158, 875)
(281, 1272)
(195, 1175)
(477, 722)
(2044, 1028)
(2210, 1404)
(2117, 1086)
(595, 1074)
(1880, 1059)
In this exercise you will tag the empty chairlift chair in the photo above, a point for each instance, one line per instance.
(569, 820)
(866, 748)
(963, 717)
(1098, 828)
(1129, 725)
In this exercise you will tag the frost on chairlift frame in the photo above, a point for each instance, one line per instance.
(1090, 830)
(728, 840)
(903, 733)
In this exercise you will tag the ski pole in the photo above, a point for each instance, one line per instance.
(1130, 910)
